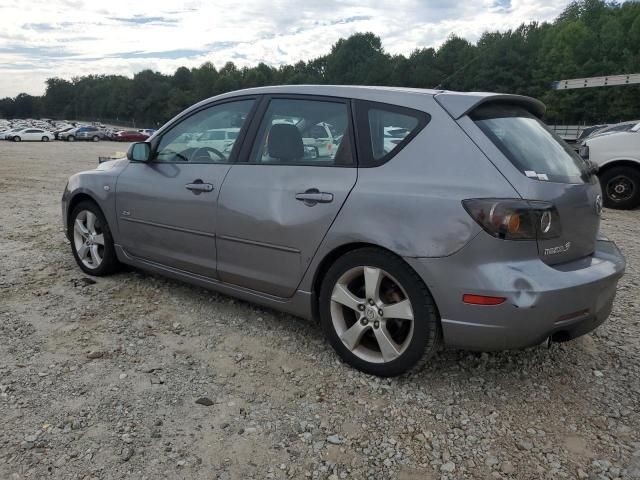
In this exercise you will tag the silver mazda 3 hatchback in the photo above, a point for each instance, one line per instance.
(424, 218)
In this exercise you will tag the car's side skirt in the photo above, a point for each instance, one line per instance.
(299, 304)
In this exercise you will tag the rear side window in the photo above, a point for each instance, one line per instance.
(530, 146)
(386, 129)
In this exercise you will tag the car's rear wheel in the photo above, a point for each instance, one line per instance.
(95, 138)
(91, 240)
(621, 187)
(16, 139)
(377, 313)
(71, 138)
(45, 139)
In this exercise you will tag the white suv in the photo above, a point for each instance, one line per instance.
(616, 151)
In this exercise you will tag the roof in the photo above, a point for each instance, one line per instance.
(457, 104)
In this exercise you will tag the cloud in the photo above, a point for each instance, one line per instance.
(69, 38)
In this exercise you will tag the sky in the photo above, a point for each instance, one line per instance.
(40, 39)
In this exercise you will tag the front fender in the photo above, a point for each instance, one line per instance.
(98, 185)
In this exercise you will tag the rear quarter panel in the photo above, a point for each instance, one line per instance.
(411, 205)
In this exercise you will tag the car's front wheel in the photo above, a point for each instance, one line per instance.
(45, 139)
(621, 187)
(95, 138)
(377, 313)
(71, 138)
(91, 240)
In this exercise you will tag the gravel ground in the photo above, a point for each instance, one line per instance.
(136, 376)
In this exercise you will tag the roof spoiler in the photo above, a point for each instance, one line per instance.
(460, 104)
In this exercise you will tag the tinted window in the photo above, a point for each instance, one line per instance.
(289, 133)
(529, 144)
(189, 140)
(386, 129)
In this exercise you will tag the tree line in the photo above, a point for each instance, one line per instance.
(590, 38)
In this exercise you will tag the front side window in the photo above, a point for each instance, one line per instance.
(201, 138)
(293, 132)
(528, 144)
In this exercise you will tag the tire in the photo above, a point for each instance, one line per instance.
(416, 340)
(71, 138)
(621, 187)
(45, 139)
(95, 138)
(87, 261)
(16, 139)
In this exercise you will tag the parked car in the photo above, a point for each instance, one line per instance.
(221, 139)
(68, 135)
(30, 135)
(4, 135)
(616, 152)
(148, 131)
(324, 138)
(478, 230)
(57, 133)
(88, 133)
(129, 136)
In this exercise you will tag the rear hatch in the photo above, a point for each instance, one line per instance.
(541, 167)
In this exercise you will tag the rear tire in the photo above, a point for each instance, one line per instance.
(402, 310)
(91, 240)
(71, 138)
(95, 138)
(16, 139)
(621, 187)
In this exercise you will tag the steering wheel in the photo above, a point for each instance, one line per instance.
(201, 150)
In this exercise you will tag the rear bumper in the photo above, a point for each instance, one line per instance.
(564, 301)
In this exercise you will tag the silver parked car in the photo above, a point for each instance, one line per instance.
(477, 229)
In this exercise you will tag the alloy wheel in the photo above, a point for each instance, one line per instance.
(372, 314)
(88, 239)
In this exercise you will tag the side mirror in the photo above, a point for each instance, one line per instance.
(139, 152)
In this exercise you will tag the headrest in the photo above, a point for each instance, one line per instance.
(285, 142)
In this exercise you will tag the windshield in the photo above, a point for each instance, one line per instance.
(529, 144)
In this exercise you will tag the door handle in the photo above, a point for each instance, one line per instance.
(313, 196)
(198, 187)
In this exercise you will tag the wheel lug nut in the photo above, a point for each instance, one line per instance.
(361, 307)
(376, 324)
(380, 312)
(370, 302)
(364, 321)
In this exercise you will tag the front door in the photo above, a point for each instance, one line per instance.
(166, 207)
(278, 202)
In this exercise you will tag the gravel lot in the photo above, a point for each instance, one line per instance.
(135, 376)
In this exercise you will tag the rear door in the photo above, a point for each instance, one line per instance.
(543, 167)
(278, 200)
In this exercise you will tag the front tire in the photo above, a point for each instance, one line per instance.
(378, 314)
(71, 138)
(45, 139)
(621, 187)
(95, 138)
(91, 240)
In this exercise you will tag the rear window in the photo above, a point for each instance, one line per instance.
(529, 144)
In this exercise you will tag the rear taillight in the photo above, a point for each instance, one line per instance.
(515, 219)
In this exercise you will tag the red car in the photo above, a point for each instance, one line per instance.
(130, 136)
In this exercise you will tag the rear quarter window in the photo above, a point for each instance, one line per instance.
(385, 129)
(529, 145)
